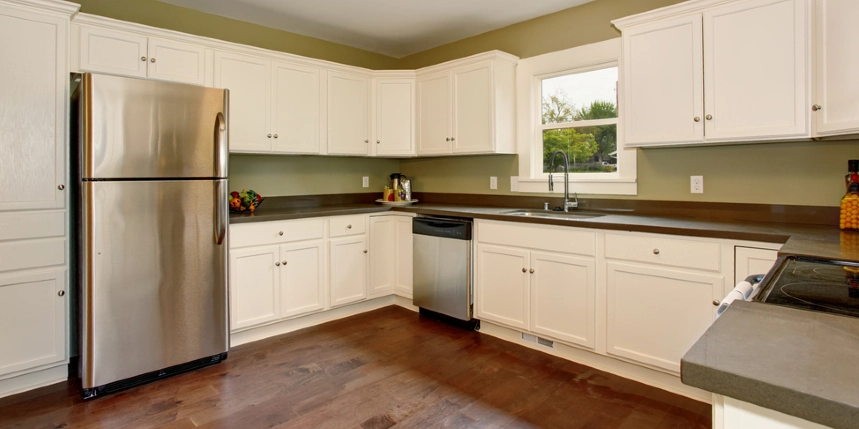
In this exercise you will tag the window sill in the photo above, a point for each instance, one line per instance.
(582, 186)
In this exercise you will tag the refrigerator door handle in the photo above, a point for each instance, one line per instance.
(221, 208)
(221, 145)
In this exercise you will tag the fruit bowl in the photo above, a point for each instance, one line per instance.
(245, 201)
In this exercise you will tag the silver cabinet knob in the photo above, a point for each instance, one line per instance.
(655, 251)
(816, 107)
(697, 119)
(531, 271)
(275, 136)
(453, 139)
(709, 117)
(378, 142)
(61, 293)
(277, 264)
(447, 139)
(348, 226)
(716, 302)
(280, 233)
(152, 60)
(367, 141)
(143, 59)
(365, 250)
(268, 135)
(61, 187)
(524, 270)
(284, 262)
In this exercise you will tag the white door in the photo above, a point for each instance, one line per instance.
(755, 78)
(403, 249)
(248, 79)
(113, 52)
(254, 286)
(395, 117)
(656, 314)
(383, 268)
(295, 111)
(750, 261)
(473, 125)
(663, 91)
(502, 285)
(563, 298)
(434, 114)
(836, 38)
(348, 114)
(33, 316)
(301, 278)
(33, 108)
(348, 270)
(177, 62)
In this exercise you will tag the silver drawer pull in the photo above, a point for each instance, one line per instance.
(277, 264)
(524, 270)
(284, 262)
(531, 271)
(716, 302)
(655, 251)
(61, 293)
(280, 233)
(365, 250)
(348, 226)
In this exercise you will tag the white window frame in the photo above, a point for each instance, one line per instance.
(530, 73)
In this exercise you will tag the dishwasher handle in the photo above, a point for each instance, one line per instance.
(455, 229)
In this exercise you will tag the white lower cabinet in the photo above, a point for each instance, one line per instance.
(302, 278)
(403, 256)
(656, 314)
(390, 255)
(502, 285)
(750, 261)
(348, 270)
(254, 284)
(562, 297)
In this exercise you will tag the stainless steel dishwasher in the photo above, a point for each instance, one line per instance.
(443, 270)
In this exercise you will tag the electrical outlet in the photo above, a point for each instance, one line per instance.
(366, 181)
(514, 184)
(493, 182)
(697, 184)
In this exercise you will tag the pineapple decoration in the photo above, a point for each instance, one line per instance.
(850, 203)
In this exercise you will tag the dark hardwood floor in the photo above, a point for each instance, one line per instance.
(386, 368)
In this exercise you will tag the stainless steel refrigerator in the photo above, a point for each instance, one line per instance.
(152, 220)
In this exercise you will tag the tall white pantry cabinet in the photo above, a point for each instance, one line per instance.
(34, 188)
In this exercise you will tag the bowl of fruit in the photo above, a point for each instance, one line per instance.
(245, 201)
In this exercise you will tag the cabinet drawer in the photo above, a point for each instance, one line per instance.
(693, 254)
(15, 226)
(285, 231)
(541, 237)
(347, 225)
(19, 255)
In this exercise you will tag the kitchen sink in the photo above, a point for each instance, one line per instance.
(546, 214)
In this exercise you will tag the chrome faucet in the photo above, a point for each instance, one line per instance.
(567, 203)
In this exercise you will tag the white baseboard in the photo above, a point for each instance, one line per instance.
(628, 370)
(33, 380)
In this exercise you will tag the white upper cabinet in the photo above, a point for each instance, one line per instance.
(434, 116)
(117, 52)
(836, 110)
(734, 73)
(296, 108)
(394, 116)
(348, 114)
(472, 107)
(248, 79)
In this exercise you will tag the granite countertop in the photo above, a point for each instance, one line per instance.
(794, 361)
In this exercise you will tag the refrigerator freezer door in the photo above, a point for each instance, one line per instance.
(154, 278)
(134, 128)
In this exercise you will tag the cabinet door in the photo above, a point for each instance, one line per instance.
(348, 270)
(395, 117)
(114, 52)
(502, 285)
(750, 261)
(301, 278)
(403, 249)
(254, 286)
(473, 125)
(348, 119)
(33, 316)
(656, 314)
(836, 43)
(383, 267)
(755, 80)
(33, 105)
(563, 298)
(295, 112)
(663, 87)
(248, 79)
(177, 62)
(434, 113)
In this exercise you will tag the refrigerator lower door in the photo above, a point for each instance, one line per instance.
(154, 276)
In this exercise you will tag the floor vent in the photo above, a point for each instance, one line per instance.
(537, 340)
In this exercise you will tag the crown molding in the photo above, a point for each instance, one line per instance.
(55, 6)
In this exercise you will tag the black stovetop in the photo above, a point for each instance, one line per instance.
(813, 284)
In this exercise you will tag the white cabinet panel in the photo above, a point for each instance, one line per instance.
(254, 286)
(301, 278)
(473, 126)
(16, 226)
(563, 294)
(836, 62)
(348, 114)
(32, 110)
(662, 250)
(19, 255)
(502, 285)
(434, 114)
(755, 78)
(663, 88)
(177, 62)
(296, 112)
(655, 314)
(248, 79)
(33, 317)
(395, 117)
(750, 261)
(282, 231)
(404, 249)
(348, 270)
(340, 226)
(114, 52)
(382, 254)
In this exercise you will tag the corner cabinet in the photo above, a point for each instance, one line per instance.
(836, 35)
(736, 72)
(348, 114)
(393, 116)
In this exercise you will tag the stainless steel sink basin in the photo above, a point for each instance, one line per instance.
(546, 214)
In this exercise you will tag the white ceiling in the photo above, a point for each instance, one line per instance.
(395, 28)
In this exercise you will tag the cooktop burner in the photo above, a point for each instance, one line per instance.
(813, 284)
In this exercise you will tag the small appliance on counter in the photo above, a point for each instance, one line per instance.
(399, 193)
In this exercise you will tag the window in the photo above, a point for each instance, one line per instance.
(568, 102)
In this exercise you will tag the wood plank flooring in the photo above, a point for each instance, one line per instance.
(382, 369)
